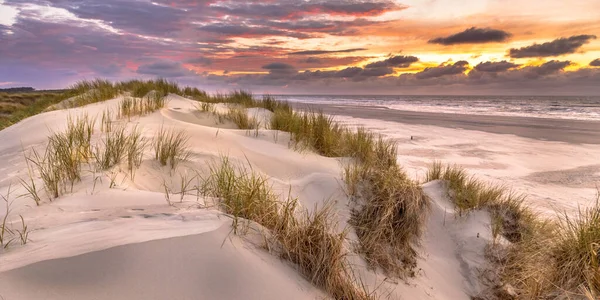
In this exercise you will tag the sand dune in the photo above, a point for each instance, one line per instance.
(127, 242)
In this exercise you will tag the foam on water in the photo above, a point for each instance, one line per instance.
(561, 107)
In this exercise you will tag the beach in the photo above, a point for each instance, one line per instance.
(547, 129)
(116, 235)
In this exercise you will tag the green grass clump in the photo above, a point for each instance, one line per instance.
(170, 147)
(577, 251)
(243, 193)
(60, 165)
(113, 148)
(239, 116)
(307, 240)
(313, 130)
(546, 259)
(141, 88)
(87, 92)
(151, 102)
(391, 210)
(134, 152)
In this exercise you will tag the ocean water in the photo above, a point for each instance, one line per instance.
(563, 107)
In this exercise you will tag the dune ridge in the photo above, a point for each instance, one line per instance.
(111, 213)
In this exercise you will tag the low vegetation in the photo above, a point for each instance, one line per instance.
(306, 239)
(390, 209)
(240, 117)
(149, 103)
(8, 234)
(15, 107)
(170, 147)
(546, 259)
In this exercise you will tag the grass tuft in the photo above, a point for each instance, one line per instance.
(239, 116)
(308, 241)
(170, 147)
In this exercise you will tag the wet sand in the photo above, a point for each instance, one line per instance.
(560, 130)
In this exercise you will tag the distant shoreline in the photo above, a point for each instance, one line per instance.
(559, 130)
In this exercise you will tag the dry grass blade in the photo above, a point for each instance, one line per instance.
(308, 241)
(170, 147)
(113, 148)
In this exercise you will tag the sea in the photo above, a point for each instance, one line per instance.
(561, 107)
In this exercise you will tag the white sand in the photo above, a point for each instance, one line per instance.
(128, 243)
(555, 176)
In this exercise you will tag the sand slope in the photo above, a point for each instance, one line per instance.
(127, 242)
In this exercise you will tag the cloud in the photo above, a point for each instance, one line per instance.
(292, 9)
(320, 52)
(595, 62)
(107, 70)
(242, 30)
(164, 69)
(312, 60)
(200, 60)
(495, 67)
(394, 61)
(557, 47)
(458, 67)
(278, 66)
(280, 69)
(473, 36)
(547, 68)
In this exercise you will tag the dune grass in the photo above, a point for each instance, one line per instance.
(5, 231)
(390, 211)
(112, 149)
(35, 104)
(141, 88)
(547, 259)
(243, 193)
(305, 239)
(312, 130)
(87, 92)
(60, 164)
(240, 117)
(149, 103)
(170, 147)
(469, 193)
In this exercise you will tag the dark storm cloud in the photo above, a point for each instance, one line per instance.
(495, 67)
(398, 61)
(557, 47)
(458, 67)
(163, 69)
(595, 62)
(473, 36)
(320, 52)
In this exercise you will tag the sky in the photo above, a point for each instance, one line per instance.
(495, 47)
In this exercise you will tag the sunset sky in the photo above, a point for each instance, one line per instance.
(308, 46)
